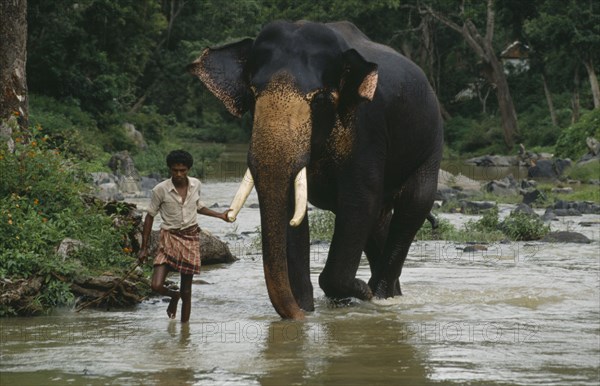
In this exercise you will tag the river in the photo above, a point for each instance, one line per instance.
(519, 313)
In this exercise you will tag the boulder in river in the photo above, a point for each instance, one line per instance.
(550, 169)
(566, 237)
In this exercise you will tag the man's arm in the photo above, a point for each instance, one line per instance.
(209, 212)
(143, 253)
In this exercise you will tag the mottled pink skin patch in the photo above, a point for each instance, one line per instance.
(368, 86)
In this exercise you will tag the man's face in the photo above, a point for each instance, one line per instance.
(179, 173)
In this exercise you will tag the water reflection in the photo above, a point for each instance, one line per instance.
(342, 351)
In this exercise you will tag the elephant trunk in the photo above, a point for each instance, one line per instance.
(279, 152)
(274, 222)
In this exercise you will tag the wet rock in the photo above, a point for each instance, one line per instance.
(549, 215)
(576, 207)
(446, 194)
(593, 146)
(493, 160)
(148, 183)
(589, 223)
(528, 184)
(99, 178)
(213, 250)
(533, 196)
(457, 186)
(550, 169)
(507, 186)
(524, 208)
(475, 248)
(566, 237)
(69, 246)
(109, 191)
(135, 135)
(476, 207)
(567, 212)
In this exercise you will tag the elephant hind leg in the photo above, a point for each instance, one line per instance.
(411, 208)
(374, 249)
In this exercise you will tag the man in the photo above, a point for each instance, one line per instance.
(177, 200)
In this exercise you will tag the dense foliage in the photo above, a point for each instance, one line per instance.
(571, 142)
(40, 205)
(103, 63)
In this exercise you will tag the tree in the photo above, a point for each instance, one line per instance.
(570, 30)
(13, 57)
(92, 51)
(483, 46)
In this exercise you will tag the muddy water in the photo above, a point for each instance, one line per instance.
(519, 313)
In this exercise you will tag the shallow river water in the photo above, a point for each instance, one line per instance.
(518, 313)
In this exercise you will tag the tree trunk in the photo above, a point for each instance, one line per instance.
(589, 66)
(482, 46)
(13, 46)
(508, 113)
(549, 101)
(575, 100)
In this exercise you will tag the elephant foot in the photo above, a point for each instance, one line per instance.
(307, 305)
(340, 303)
(355, 289)
(382, 290)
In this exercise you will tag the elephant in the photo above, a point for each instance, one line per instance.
(344, 123)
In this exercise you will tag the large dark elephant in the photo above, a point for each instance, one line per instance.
(350, 125)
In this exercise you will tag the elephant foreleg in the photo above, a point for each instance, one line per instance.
(338, 279)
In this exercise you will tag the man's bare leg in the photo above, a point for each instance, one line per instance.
(186, 297)
(158, 285)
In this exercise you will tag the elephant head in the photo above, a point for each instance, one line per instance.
(301, 86)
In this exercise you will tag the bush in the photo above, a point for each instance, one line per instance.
(521, 226)
(571, 142)
(321, 224)
(444, 231)
(480, 135)
(66, 127)
(40, 205)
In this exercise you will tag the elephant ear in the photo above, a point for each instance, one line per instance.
(359, 79)
(221, 69)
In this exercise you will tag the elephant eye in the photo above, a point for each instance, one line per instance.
(323, 97)
(310, 97)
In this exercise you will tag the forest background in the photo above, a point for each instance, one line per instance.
(94, 65)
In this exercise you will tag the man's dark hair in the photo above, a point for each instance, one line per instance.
(180, 157)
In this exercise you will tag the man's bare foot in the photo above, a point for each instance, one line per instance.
(172, 309)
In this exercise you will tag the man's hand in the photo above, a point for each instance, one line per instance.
(142, 255)
(224, 215)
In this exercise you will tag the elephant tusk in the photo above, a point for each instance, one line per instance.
(301, 194)
(240, 197)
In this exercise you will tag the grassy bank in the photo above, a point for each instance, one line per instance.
(42, 202)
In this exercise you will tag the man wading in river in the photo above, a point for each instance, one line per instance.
(177, 200)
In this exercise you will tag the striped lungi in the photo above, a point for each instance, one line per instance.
(180, 249)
